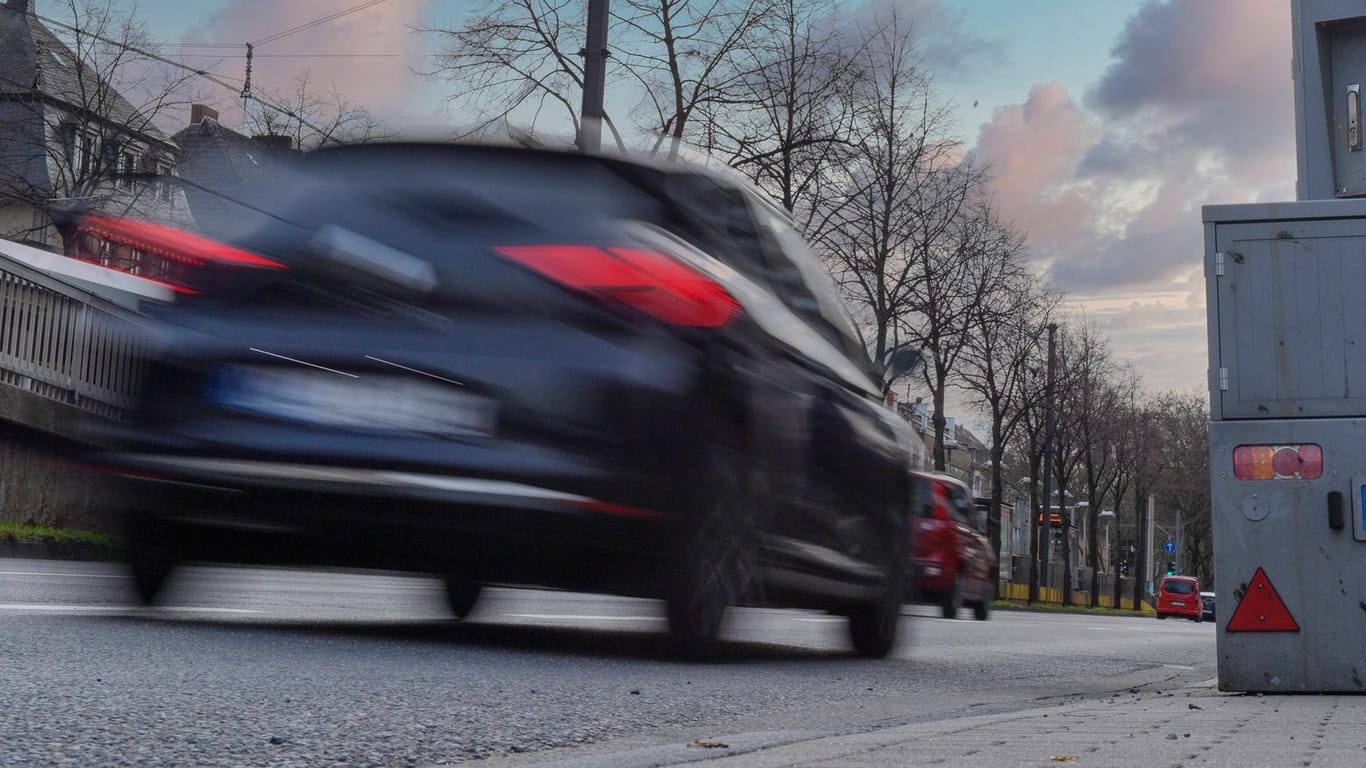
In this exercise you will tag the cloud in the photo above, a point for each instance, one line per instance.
(946, 44)
(1194, 108)
(384, 85)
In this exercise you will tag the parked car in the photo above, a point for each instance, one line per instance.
(517, 366)
(952, 563)
(1179, 596)
(1207, 605)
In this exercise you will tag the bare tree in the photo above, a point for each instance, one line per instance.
(512, 61)
(997, 369)
(86, 112)
(1185, 443)
(1066, 438)
(1097, 389)
(311, 121)
(901, 192)
(680, 51)
(787, 119)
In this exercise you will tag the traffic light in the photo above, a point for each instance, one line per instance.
(1123, 567)
(1171, 568)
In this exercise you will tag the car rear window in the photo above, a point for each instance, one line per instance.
(1178, 587)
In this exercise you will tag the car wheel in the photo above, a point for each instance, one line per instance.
(1198, 618)
(148, 558)
(981, 610)
(462, 592)
(952, 600)
(873, 626)
(1161, 615)
(715, 566)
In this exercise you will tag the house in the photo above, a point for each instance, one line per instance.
(222, 168)
(68, 136)
(967, 458)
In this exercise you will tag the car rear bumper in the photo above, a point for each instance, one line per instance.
(1169, 609)
(204, 509)
(930, 577)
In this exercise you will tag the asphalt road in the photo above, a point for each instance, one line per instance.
(298, 668)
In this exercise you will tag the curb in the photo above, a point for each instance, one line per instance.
(57, 550)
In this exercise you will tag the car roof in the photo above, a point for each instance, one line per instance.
(940, 477)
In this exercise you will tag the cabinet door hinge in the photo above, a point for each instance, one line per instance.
(1223, 379)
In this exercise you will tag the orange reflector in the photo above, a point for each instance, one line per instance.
(1261, 609)
(1278, 462)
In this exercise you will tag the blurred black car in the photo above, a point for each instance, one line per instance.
(516, 366)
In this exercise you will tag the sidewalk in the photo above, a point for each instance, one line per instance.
(1195, 725)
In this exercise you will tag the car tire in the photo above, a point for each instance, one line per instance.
(147, 555)
(715, 567)
(981, 610)
(462, 592)
(952, 601)
(1161, 615)
(873, 626)
(1198, 618)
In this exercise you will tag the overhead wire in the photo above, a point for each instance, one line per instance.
(217, 80)
(317, 22)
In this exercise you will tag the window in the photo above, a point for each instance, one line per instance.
(86, 147)
(804, 285)
(127, 167)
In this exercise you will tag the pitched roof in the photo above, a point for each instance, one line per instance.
(34, 60)
(223, 167)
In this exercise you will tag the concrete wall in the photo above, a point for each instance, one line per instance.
(39, 480)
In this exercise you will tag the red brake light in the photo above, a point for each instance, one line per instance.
(1278, 462)
(171, 243)
(162, 254)
(650, 282)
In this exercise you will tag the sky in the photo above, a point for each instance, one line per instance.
(1106, 125)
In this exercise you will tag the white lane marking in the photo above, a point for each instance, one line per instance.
(63, 573)
(1178, 666)
(822, 619)
(579, 617)
(57, 608)
(1101, 629)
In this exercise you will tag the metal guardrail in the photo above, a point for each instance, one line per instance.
(65, 344)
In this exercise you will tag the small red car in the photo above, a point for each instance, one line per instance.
(952, 563)
(1179, 596)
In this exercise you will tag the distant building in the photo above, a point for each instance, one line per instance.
(66, 137)
(967, 459)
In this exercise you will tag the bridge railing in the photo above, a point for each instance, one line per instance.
(62, 343)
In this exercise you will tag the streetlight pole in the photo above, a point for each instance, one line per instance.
(594, 77)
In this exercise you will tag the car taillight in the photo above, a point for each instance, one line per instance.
(648, 281)
(1278, 462)
(165, 254)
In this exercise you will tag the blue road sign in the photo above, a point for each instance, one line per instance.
(1169, 547)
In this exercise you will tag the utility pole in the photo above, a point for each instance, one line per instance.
(1046, 527)
(594, 77)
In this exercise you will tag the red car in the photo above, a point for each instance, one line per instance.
(952, 563)
(1180, 596)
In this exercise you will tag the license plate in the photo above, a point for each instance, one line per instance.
(365, 402)
(1178, 602)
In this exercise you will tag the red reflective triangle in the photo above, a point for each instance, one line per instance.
(1261, 609)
